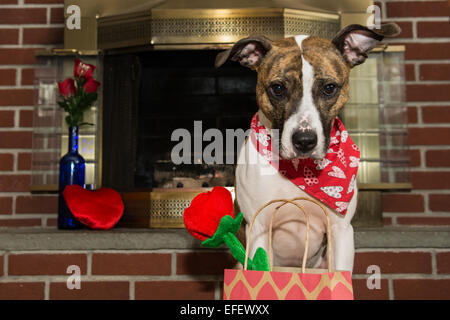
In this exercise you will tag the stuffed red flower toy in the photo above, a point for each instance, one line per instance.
(210, 219)
(203, 216)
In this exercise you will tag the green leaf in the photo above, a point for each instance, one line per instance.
(227, 224)
(260, 260)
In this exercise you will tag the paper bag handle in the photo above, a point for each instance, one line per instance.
(284, 202)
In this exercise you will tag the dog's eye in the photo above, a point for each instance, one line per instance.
(329, 89)
(278, 90)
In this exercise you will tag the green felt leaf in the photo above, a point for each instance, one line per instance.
(227, 225)
(260, 260)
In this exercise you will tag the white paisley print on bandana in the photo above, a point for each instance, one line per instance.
(331, 180)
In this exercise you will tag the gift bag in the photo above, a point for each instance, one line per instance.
(288, 283)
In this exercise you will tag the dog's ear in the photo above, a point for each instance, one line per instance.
(355, 41)
(249, 52)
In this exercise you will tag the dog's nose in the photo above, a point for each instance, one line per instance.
(304, 141)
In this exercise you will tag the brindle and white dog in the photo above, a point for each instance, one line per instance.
(303, 83)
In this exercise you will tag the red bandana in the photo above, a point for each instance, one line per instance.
(331, 180)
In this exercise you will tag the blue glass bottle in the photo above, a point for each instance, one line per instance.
(72, 169)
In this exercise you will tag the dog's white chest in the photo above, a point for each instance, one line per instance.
(258, 182)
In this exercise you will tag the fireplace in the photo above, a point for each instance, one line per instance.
(175, 89)
(157, 62)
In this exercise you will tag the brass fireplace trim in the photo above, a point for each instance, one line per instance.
(109, 24)
(203, 28)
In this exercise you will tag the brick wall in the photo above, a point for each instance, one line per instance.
(405, 274)
(25, 26)
(426, 35)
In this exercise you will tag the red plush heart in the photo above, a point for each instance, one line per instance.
(100, 209)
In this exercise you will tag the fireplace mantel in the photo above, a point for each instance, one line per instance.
(178, 239)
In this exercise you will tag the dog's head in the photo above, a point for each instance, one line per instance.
(303, 82)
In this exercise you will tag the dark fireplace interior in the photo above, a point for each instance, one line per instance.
(148, 95)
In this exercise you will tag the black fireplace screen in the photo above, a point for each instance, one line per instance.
(149, 95)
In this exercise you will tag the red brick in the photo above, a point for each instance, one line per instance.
(9, 2)
(37, 204)
(27, 77)
(424, 221)
(414, 156)
(362, 292)
(438, 158)
(16, 139)
(20, 223)
(435, 71)
(410, 73)
(439, 202)
(417, 9)
(403, 203)
(6, 119)
(174, 290)
(15, 183)
(436, 114)
(430, 180)
(429, 136)
(432, 29)
(131, 264)
(421, 289)
(26, 118)
(6, 205)
(57, 15)
(51, 222)
(199, 263)
(387, 221)
(9, 36)
(6, 162)
(16, 97)
(44, 264)
(24, 162)
(22, 290)
(17, 56)
(43, 35)
(393, 262)
(433, 50)
(443, 262)
(23, 16)
(90, 290)
(428, 92)
(7, 76)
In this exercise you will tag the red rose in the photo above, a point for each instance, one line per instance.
(91, 86)
(203, 216)
(67, 88)
(83, 70)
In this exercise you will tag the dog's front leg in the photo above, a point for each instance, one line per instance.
(342, 239)
(343, 248)
(258, 239)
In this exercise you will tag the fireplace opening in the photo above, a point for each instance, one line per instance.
(165, 91)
